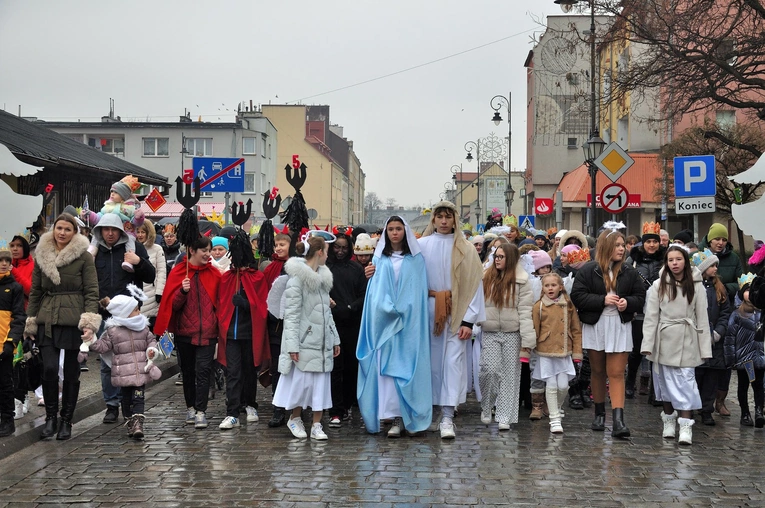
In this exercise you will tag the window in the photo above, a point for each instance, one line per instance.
(156, 147)
(727, 51)
(249, 146)
(269, 151)
(113, 145)
(572, 143)
(249, 183)
(726, 119)
(206, 194)
(263, 152)
(199, 147)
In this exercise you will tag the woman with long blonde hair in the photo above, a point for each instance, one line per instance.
(508, 329)
(607, 294)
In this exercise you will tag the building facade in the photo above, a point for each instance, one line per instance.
(167, 148)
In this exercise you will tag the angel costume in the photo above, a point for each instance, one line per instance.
(394, 348)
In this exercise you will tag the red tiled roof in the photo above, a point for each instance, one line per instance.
(639, 179)
(175, 209)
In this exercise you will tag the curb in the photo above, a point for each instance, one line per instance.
(28, 433)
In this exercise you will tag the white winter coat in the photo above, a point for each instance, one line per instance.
(675, 333)
(157, 258)
(516, 318)
(308, 325)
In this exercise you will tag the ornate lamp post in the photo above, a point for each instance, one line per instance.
(457, 168)
(496, 103)
(469, 147)
(509, 195)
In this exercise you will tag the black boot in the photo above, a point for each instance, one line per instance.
(706, 418)
(629, 385)
(70, 392)
(64, 430)
(759, 419)
(278, 418)
(599, 423)
(7, 427)
(51, 422)
(619, 428)
(746, 418)
(575, 396)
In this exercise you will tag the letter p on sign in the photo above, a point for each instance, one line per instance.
(695, 176)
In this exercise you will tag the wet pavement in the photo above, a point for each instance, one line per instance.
(176, 465)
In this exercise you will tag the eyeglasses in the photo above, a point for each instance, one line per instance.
(499, 257)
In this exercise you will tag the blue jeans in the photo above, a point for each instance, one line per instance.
(112, 395)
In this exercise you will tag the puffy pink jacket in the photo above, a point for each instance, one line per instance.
(129, 349)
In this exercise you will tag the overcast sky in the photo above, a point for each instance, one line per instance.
(64, 60)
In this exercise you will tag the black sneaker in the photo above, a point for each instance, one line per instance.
(179, 380)
(84, 366)
(112, 413)
(278, 419)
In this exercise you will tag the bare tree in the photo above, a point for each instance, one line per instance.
(702, 54)
(391, 202)
(372, 201)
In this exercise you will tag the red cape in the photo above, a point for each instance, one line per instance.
(256, 287)
(209, 276)
(274, 269)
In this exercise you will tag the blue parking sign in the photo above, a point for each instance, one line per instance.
(220, 174)
(695, 176)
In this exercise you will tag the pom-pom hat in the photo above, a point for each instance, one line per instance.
(540, 258)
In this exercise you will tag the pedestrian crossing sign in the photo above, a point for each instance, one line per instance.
(526, 221)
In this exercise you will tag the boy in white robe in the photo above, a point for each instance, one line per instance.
(455, 303)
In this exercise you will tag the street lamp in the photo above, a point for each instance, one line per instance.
(496, 102)
(457, 168)
(469, 147)
(509, 195)
(594, 145)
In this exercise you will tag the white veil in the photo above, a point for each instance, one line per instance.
(414, 246)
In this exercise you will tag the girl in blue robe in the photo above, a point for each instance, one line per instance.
(394, 341)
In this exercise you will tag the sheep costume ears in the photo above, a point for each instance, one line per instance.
(137, 293)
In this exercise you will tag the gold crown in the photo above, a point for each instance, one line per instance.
(651, 228)
(131, 182)
(578, 256)
(553, 230)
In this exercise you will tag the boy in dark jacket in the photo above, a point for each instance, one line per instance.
(12, 318)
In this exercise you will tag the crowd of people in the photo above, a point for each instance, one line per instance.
(397, 326)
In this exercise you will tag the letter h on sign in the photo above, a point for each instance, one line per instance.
(695, 176)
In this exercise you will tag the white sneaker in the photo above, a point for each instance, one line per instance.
(395, 429)
(486, 417)
(252, 414)
(555, 426)
(18, 411)
(228, 422)
(317, 432)
(200, 420)
(669, 424)
(447, 428)
(503, 426)
(296, 427)
(26, 405)
(686, 431)
(191, 415)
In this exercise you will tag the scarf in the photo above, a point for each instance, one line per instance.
(136, 323)
(208, 275)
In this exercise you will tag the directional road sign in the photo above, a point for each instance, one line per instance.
(525, 221)
(220, 174)
(614, 161)
(695, 176)
(614, 198)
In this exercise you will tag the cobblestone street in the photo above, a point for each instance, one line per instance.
(177, 465)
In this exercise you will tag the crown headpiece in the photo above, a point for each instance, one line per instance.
(651, 228)
(745, 279)
(700, 256)
(131, 182)
(578, 256)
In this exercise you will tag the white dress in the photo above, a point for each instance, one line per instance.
(609, 334)
(447, 352)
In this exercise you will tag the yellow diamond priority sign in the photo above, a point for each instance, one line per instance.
(614, 161)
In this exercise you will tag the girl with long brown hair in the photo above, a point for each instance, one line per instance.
(507, 329)
(607, 294)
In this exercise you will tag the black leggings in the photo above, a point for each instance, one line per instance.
(743, 389)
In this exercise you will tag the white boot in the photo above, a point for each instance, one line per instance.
(551, 395)
(686, 430)
(18, 411)
(669, 424)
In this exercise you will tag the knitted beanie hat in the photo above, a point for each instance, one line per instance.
(219, 241)
(121, 306)
(704, 259)
(540, 258)
(717, 230)
(685, 236)
(122, 189)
